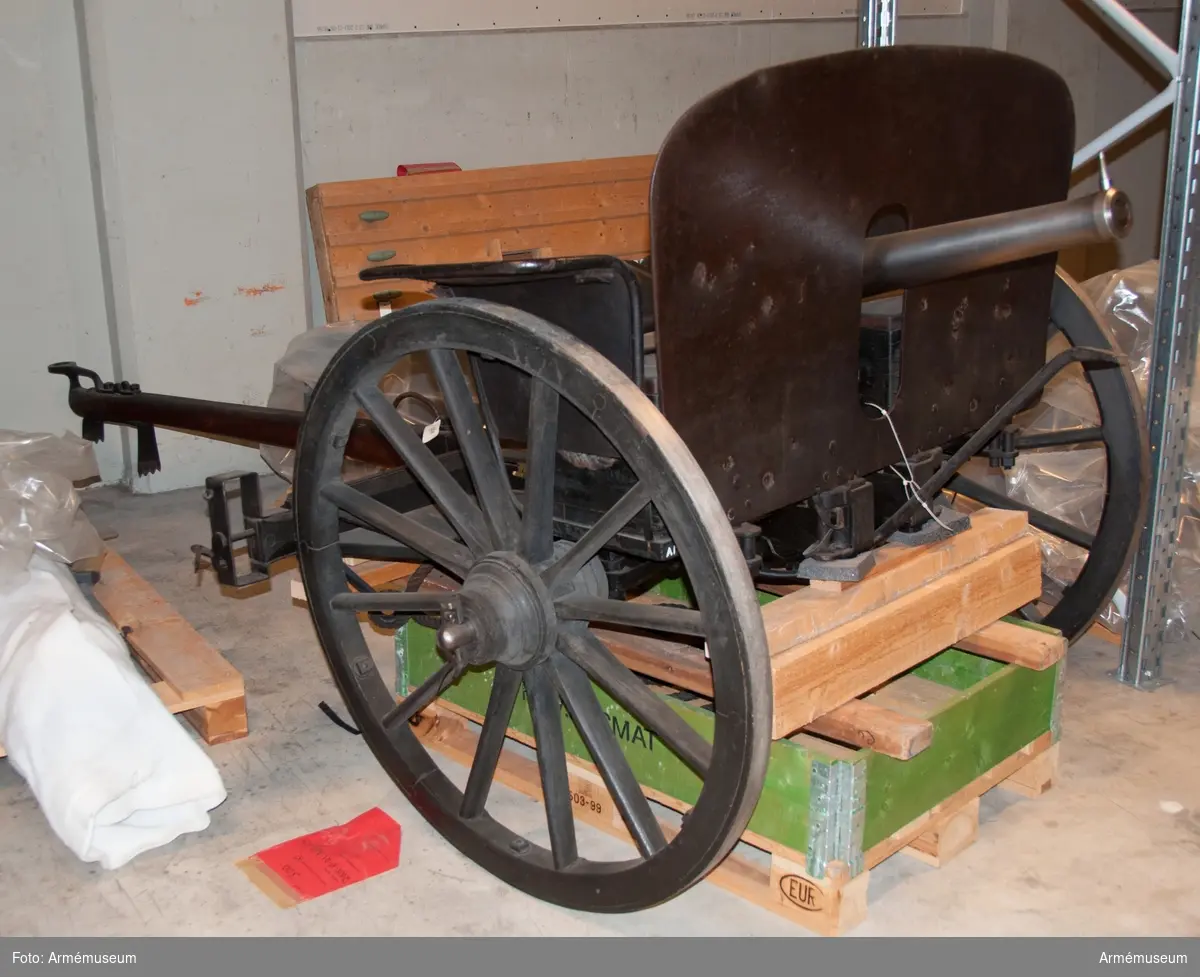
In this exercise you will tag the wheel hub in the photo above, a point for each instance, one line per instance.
(503, 615)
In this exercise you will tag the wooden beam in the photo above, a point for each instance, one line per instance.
(856, 723)
(374, 574)
(899, 570)
(814, 677)
(865, 724)
(669, 662)
(1008, 642)
(1098, 630)
(915, 697)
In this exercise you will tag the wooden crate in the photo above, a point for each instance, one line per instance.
(190, 676)
(547, 210)
(898, 702)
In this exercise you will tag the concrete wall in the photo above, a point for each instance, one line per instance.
(197, 150)
(149, 144)
(51, 283)
(369, 103)
(1107, 80)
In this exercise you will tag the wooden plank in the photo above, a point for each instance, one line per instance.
(1008, 642)
(870, 726)
(856, 723)
(814, 677)
(947, 839)
(172, 652)
(380, 576)
(1098, 630)
(166, 645)
(675, 664)
(316, 222)
(830, 586)
(899, 570)
(177, 703)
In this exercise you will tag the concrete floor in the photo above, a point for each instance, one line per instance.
(1097, 855)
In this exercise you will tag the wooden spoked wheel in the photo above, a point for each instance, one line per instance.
(524, 601)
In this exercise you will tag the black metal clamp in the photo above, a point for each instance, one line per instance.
(268, 538)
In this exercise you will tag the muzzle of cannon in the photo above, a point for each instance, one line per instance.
(909, 259)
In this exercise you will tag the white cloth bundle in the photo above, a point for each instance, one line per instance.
(114, 772)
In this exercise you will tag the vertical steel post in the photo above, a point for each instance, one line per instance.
(1177, 322)
(876, 23)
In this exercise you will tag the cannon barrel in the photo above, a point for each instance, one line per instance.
(910, 259)
(127, 405)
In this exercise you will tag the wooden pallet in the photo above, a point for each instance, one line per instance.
(190, 676)
(830, 905)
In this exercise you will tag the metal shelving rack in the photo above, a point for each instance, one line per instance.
(1176, 324)
(1177, 318)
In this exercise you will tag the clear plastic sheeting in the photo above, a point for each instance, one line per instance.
(1126, 299)
(409, 383)
(39, 506)
(1070, 483)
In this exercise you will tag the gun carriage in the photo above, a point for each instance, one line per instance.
(730, 413)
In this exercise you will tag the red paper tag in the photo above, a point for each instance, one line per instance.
(325, 861)
(415, 169)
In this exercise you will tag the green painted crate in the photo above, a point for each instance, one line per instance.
(822, 800)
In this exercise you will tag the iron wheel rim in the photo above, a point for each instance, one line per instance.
(1122, 424)
(716, 570)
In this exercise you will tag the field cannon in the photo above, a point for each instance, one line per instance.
(730, 413)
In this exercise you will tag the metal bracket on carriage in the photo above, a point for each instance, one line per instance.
(748, 535)
(268, 538)
(1003, 451)
(846, 520)
(940, 521)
